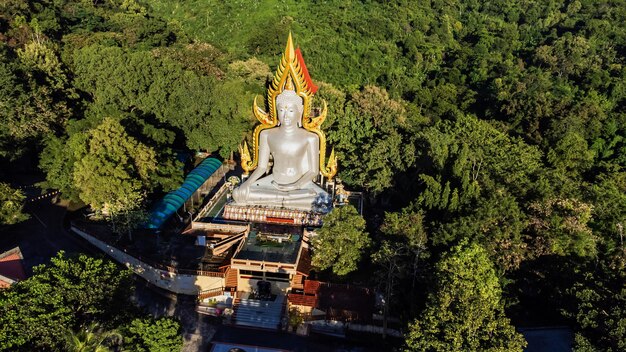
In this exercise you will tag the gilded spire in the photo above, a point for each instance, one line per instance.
(290, 51)
(289, 84)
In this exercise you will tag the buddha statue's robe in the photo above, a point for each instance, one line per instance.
(295, 156)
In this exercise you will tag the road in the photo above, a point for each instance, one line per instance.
(293, 342)
(42, 236)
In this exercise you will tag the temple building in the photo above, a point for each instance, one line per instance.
(256, 221)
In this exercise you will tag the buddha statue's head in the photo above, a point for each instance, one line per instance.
(289, 107)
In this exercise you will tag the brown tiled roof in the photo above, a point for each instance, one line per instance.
(302, 300)
(311, 286)
(11, 265)
(349, 302)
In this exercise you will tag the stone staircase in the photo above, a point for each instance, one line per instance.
(259, 314)
(297, 282)
(213, 262)
(231, 278)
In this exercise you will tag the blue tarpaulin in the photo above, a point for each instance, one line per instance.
(167, 206)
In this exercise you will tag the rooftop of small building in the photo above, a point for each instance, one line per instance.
(11, 265)
(272, 243)
(236, 347)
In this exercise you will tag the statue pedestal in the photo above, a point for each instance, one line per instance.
(272, 215)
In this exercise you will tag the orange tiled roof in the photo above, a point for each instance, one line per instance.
(311, 286)
(302, 300)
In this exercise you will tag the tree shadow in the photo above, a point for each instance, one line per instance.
(539, 289)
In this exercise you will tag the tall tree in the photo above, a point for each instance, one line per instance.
(408, 227)
(608, 195)
(476, 181)
(464, 311)
(150, 335)
(211, 113)
(115, 166)
(140, 162)
(63, 296)
(599, 300)
(34, 97)
(560, 226)
(390, 258)
(11, 203)
(89, 339)
(468, 158)
(373, 139)
(341, 241)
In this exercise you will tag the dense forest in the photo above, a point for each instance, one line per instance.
(489, 137)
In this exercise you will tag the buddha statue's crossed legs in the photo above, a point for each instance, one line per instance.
(264, 192)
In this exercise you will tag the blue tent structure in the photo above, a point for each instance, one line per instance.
(167, 206)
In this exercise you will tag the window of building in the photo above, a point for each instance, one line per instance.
(251, 272)
(277, 275)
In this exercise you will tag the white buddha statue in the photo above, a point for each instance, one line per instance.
(295, 153)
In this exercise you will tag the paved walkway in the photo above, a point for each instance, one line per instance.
(292, 342)
(548, 339)
(198, 329)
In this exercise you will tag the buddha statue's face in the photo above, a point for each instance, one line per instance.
(288, 114)
(289, 109)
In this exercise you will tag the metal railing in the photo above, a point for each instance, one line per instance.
(212, 201)
(210, 293)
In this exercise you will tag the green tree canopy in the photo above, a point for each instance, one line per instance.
(80, 303)
(341, 241)
(407, 228)
(150, 335)
(560, 226)
(464, 311)
(599, 297)
(105, 167)
(213, 115)
(34, 96)
(468, 158)
(372, 139)
(89, 339)
(11, 203)
(114, 166)
(63, 296)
